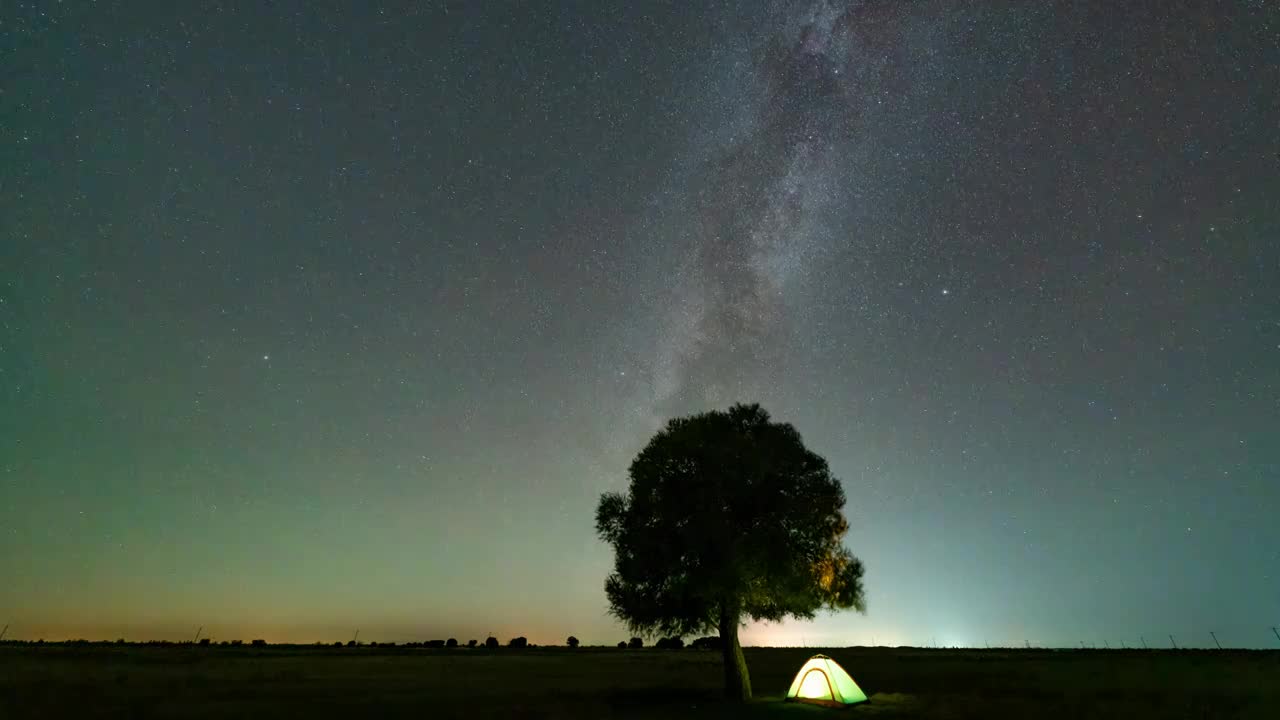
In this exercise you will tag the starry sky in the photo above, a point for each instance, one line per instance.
(317, 316)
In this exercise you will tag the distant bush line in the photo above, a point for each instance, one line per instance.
(490, 643)
(632, 644)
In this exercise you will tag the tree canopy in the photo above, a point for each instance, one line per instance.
(728, 517)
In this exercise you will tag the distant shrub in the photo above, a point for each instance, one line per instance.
(622, 644)
(671, 643)
(451, 643)
(235, 643)
(388, 644)
(373, 644)
(571, 642)
(471, 643)
(518, 642)
(711, 642)
(205, 642)
(491, 642)
(351, 643)
(435, 643)
(636, 643)
(119, 641)
(337, 643)
(259, 642)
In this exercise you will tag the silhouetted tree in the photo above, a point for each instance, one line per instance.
(636, 643)
(711, 642)
(518, 642)
(451, 643)
(571, 642)
(622, 644)
(206, 642)
(471, 643)
(728, 517)
(491, 642)
(337, 643)
(259, 642)
(669, 643)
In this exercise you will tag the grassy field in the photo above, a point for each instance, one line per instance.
(189, 682)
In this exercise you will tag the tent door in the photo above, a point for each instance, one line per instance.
(816, 686)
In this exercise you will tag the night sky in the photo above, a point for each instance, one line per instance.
(322, 316)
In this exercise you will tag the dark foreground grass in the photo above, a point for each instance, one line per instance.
(191, 682)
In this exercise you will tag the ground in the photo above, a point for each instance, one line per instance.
(141, 682)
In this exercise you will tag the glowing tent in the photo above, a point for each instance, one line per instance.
(823, 682)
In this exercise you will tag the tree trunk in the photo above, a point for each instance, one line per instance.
(737, 681)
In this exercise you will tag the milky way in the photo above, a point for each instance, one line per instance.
(758, 206)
